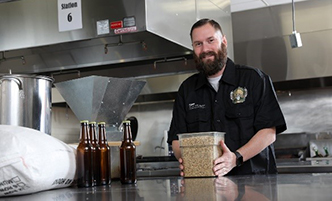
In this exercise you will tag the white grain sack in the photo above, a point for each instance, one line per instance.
(32, 161)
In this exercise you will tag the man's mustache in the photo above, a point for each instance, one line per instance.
(204, 54)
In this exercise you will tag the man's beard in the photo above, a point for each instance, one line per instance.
(211, 67)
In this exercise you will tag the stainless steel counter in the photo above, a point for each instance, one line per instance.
(287, 166)
(308, 166)
(260, 187)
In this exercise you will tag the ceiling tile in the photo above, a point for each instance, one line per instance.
(241, 5)
(248, 5)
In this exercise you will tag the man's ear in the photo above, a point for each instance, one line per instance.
(224, 40)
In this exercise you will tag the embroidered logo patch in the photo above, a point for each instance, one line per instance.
(239, 95)
(193, 106)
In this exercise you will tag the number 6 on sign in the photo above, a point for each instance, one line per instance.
(70, 18)
(69, 15)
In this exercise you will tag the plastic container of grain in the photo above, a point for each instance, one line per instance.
(198, 151)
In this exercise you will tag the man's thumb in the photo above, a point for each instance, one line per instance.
(223, 146)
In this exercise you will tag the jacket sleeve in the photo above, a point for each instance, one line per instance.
(178, 123)
(269, 113)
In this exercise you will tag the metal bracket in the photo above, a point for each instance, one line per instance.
(120, 43)
(67, 72)
(3, 58)
(169, 60)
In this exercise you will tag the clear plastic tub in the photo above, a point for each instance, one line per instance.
(198, 151)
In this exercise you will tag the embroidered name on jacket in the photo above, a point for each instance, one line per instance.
(194, 106)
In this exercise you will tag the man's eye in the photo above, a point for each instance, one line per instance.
(197, 44)
(211, 40)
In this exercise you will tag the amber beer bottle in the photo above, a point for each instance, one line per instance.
(96, 156)
(127, 156)
(84, 157)
(105, 159)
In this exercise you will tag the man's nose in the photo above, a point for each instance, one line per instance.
(205, 47)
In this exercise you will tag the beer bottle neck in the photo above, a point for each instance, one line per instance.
(127, 133)
(84, 133)
(102, 134)
(92, 131)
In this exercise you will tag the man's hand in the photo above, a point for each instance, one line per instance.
(226, 162)
(226, 189)
(181, 167)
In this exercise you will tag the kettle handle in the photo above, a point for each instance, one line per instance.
(16, 80)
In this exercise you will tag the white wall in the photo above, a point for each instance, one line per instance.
(153, 120)
(65, 125)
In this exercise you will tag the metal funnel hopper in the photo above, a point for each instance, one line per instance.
(97, 98)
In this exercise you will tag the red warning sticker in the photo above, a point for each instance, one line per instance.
(116, 25)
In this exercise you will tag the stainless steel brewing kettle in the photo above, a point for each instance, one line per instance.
(26, 100)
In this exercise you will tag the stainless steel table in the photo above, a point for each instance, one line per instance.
(260, 187)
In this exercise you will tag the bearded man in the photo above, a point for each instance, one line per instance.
(231, 98)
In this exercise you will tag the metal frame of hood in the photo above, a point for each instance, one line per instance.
(31, 42)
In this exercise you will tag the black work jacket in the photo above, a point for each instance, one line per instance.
(199, 108)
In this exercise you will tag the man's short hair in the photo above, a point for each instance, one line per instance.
(205, 21)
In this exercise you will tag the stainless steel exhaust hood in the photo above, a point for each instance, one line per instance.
(30, 40)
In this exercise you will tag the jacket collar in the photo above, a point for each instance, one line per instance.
(229, 73)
